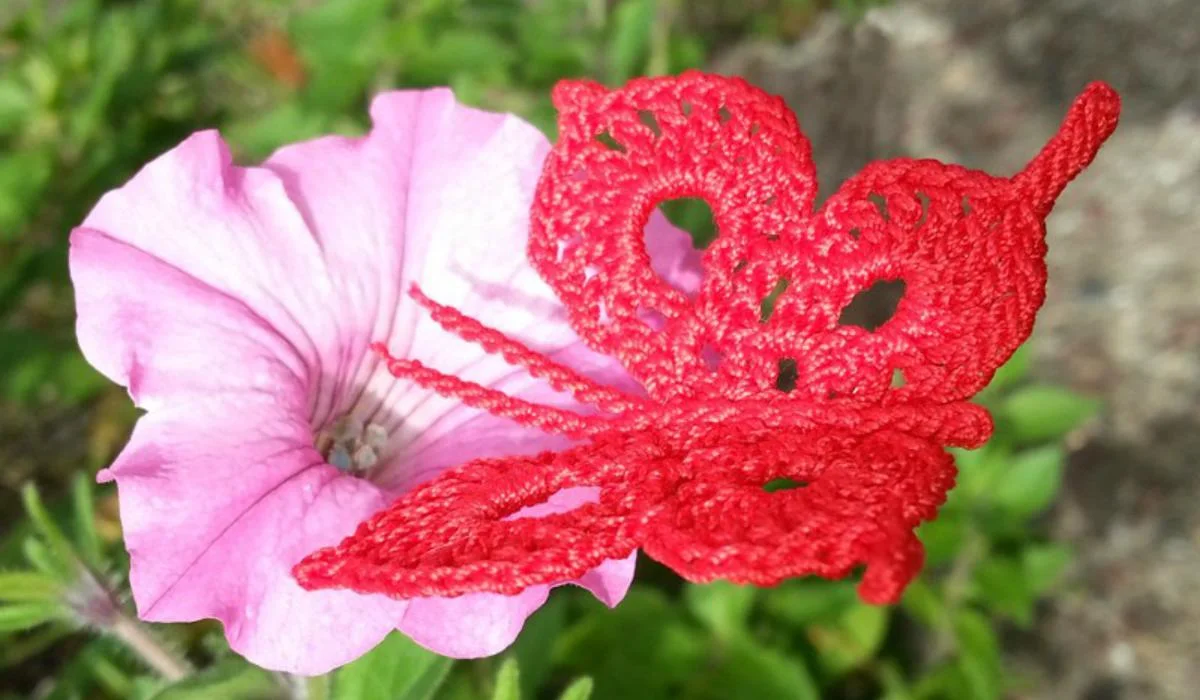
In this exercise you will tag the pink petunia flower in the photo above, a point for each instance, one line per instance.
(237, 305)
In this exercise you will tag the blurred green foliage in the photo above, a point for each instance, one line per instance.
(90, 90)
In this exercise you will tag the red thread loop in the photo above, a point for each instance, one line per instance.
(681, 474)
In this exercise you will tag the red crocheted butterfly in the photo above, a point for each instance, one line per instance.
(681, 471)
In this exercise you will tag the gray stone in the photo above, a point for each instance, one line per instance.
(984, 83)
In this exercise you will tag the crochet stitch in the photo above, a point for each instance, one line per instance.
(681, 471)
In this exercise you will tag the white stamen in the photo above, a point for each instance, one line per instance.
(365, 458)
(376, 436)
(352, 447)
(339, 457)
(347, 429)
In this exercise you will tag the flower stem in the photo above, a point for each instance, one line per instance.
(139, 639)
(955, 588)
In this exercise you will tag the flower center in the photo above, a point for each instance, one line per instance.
(351, 446)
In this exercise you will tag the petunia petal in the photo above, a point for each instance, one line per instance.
(236, 304)
(167, 336)
(200, 548)
(466, 194)
(231, 229)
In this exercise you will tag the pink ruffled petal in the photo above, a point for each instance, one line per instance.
(214, 521)
(221, 489)
(237, 305)
(470, 207)
(169, 337)
(470, 626)
(234, 230)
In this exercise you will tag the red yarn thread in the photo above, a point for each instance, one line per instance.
(681, 473)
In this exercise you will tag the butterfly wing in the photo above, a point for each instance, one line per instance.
(476, 528)
(620, 154)
(854, 500)
(968, 249)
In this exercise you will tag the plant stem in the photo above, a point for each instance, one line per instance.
(955, 588)
(138, 638)
(659, 62)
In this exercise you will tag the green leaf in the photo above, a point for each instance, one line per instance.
(103, 669)
(723, 607)
(17, 650)
(73, 379)
(263, 132)
(397, 669)
(16, 104)
(40, 557)
(895, 685)
(460, 52)
(508, 681)
(979, 655)
(62, 554)
(630, 40)
(1031, 481)
(943, 537)
(1011, 372)
(229, 679)
(116, 47)
(23, 174)
(999, 583)
(341, 44)
(980, 470)
(643, 648)
(1040, 413)
(86, 538)
(581, 689)
(749, 669)
(800, 602)
(1044, 565)
(852, 640)
(25, 616)
(535, 645)
(686, 52)
(944, 682)
(28, 587)
(923, 602)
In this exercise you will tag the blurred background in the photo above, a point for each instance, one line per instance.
(1065, 564)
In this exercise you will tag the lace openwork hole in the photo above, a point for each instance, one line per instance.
(694, 225)
(767, 306)
(694, 215)
(873, 306)
(606, 139)
(647, 118)
(785, 380)
(783, 483)
(654, 319)
(880, 203)
(925, 202)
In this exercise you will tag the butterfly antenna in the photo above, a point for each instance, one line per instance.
(545, 418)
(1090, 121)
(516, 353)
